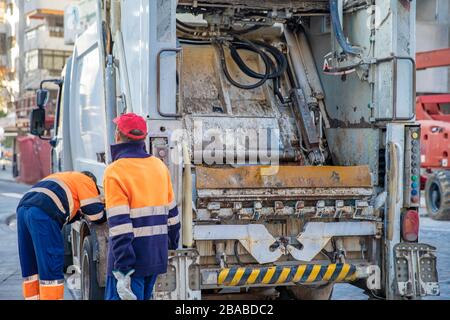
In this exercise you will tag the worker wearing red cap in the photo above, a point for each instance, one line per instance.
(142, 215)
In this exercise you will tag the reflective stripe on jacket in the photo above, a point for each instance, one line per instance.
(64, 194)
(141, 210)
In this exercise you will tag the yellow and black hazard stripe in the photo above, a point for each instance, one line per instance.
(243, 276)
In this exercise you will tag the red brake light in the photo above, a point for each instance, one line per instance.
(410, 226)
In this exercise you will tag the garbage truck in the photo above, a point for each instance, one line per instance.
(289, 130)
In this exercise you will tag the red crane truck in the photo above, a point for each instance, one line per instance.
(433, 114)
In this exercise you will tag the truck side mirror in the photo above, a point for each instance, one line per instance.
(41, 98)
(37, 122)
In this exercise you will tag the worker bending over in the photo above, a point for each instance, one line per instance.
(142, 214)
(56, 200)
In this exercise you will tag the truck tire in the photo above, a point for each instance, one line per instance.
(90, 290)
(437, 195)
(300, 292)
(68, 261)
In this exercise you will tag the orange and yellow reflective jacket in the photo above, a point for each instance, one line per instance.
(141, 210)
(63, 194)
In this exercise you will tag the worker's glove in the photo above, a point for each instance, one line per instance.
(124, 285)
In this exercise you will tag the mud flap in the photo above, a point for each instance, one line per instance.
(415, 270)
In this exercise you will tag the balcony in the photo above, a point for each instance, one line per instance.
(45, 36)
(38, 9)
(32, 79)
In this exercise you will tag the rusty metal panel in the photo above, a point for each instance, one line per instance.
(355, 147)
(286, 177)
(201, 87)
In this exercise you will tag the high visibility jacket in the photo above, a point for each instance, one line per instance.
(62, 195)
(141, 210)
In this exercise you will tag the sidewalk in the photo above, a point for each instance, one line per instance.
(6, 175)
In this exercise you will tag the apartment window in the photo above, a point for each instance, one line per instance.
(32, 60)
(3, 44)
(54, 59)
(46, 59)
(56, 26)
(57, 32)
(11, 42)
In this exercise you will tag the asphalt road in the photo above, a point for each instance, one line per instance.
(432, 232)
(10, 275)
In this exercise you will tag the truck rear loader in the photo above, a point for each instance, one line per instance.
(289, 130)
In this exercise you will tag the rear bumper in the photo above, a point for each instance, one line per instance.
(287, 275)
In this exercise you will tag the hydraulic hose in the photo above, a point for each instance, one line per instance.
(274, 60)
(193, 42)
(281, 63)
(337, 27)
(274, 68)
(240, 85)
(234, 47)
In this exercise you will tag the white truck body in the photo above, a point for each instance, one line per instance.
(251, 230)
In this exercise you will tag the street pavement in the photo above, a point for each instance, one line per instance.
(435, 233)
(10, 275)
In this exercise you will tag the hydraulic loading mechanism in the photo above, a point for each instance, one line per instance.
(303, 97)
(285, 179)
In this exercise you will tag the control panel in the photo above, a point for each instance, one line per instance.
(411, 194)
(159, 147)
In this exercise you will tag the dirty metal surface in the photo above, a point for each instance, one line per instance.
(201, 87)
(254, 237)
(316, 235)
(254, 177)
(355, 147)
(307, 5)
(205, 89)
(283, 194)
(415, 268)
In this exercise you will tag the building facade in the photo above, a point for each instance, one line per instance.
(433, 32)
(11, 35)
(44, 53)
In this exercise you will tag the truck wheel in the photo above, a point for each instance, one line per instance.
(437, 195)
(300, 292)
(90, 290)
(68, 261)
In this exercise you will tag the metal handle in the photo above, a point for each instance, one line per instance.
(395, 59)
(394, 163)
(158, 83)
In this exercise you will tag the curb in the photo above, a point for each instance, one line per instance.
(6, 220)
(10, 218)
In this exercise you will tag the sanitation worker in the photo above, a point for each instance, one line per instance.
(142, 215)
(56, 200)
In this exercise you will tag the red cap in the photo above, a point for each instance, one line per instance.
(131, 121)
